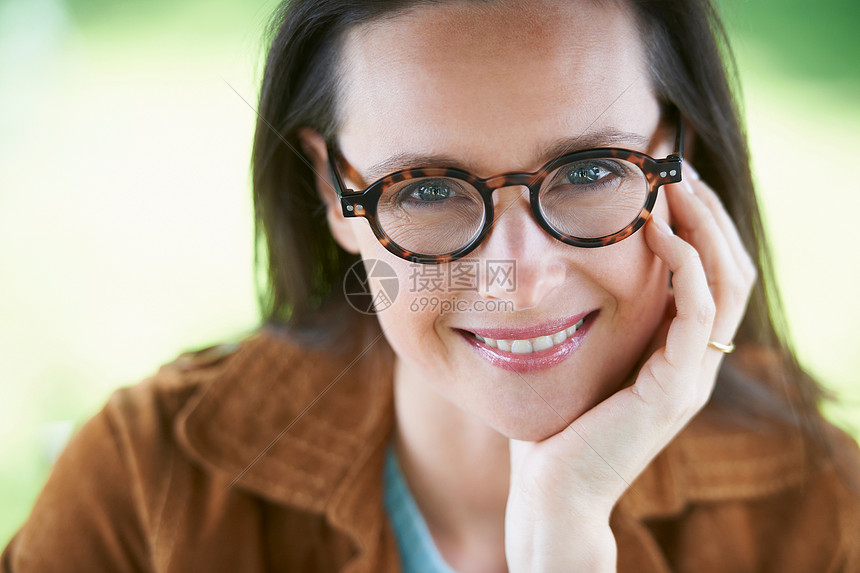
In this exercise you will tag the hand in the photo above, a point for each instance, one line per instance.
(563, 488)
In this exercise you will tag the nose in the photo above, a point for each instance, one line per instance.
(521, 259)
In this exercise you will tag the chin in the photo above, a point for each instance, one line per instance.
(533, 423)
(529, 417)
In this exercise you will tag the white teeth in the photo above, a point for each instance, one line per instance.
(570, 330)
(521, 347)
(542, 343)
(532, 344)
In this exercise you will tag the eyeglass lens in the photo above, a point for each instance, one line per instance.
(584, 199)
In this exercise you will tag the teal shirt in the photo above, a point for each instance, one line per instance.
(418, 553)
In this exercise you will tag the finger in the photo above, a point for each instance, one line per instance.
(696, 224)
(729, 287)
(707, 195)
(689, 331)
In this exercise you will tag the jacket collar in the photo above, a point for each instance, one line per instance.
(297, 428)
(293, 426)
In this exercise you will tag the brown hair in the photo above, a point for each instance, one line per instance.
(691, 67)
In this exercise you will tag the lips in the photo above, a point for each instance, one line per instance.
(545, 329)
(548, 345)
(530, 345)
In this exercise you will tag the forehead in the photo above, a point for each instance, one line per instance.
(491, 81)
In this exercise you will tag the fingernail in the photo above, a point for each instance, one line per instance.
(662, 225)
(692, 170)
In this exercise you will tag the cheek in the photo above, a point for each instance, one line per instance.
(408, 301)
(638, 278)
(637, 282)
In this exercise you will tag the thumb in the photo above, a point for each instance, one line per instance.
(519, 450)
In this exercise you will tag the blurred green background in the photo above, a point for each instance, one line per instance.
(126, 220)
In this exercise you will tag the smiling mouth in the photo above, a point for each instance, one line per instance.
(530, 354)
(530, 345)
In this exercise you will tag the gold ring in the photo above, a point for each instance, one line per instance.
(724, 348)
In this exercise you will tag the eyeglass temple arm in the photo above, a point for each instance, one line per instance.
(669, 169)
(679, 137)
(339, 186)
(350, 201)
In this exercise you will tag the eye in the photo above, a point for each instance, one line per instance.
(428, 193)
(585, 173)
(588, 174)
(434, 190)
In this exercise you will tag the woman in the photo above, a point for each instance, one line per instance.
(563, 402)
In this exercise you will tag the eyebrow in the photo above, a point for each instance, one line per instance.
(546, 152)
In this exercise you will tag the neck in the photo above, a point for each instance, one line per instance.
(457, 469)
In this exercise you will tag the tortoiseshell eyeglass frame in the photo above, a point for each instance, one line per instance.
(658, 172)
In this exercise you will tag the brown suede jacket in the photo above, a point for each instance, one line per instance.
(262, 456)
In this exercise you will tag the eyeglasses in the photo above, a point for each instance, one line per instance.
(433, 215)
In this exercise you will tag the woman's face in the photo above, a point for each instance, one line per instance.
(492, 85)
